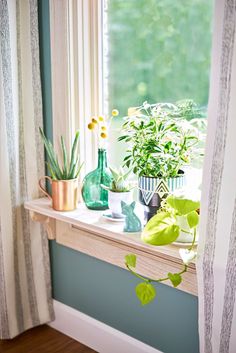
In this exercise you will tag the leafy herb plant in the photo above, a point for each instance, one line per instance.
(71, 165)
(119, 181)
(164, 229)
(162, 138)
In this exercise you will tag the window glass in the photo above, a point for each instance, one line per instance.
(155, 51)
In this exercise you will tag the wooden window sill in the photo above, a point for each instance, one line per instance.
(86, 231)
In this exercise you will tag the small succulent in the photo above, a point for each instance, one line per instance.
(71, 167)
(119, 181)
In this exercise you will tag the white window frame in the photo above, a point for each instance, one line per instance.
(78, 92)
(77, 72)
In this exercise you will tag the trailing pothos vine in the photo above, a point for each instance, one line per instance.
(178, 215)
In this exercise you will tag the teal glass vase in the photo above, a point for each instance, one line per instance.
(94, 196)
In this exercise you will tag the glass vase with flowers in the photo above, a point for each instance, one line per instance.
(96, 197)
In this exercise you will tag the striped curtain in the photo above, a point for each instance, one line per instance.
(25, 289)
(217, 249)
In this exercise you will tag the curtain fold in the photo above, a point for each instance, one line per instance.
(25, 288)
(216, 265)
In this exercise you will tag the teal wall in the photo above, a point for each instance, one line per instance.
(106, 292)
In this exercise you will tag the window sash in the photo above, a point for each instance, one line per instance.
(77, 72)
(79, 49)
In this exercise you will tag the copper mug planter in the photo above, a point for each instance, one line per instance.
(64, 193)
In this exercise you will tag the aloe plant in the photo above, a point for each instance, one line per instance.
(164, 229)
(71, 165)
(119, 181)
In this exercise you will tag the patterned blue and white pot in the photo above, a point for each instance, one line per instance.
(153, 190)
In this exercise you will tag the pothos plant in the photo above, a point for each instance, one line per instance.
(163, 229)
(162, 138)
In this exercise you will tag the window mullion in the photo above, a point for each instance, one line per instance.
(89, 74)
(77, 85)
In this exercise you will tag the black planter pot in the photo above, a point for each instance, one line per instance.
(153, 190)
(151, 208)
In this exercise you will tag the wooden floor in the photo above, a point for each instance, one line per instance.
(43, 339)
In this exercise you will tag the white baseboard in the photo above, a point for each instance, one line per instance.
(95, 334)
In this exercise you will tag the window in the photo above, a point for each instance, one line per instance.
(117, 54)
(155, 51)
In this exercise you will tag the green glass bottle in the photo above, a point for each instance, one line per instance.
(94, 196)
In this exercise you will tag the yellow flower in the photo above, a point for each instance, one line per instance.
(103, 135)
(100, 118)
(91, 126)
(103, 128)
(94, 121)
(115, 112)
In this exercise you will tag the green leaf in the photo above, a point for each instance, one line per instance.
(193, 219)
(64, 155)
(123, 137)
(79, 169)
(128, 163)
(125, 176)
(127, 157)
(160, 126)
(115, 173)
(134, 170)
(51, 171)
(191, 138)
(168, 145)
(72, 173)
(175, 278)
(73, 157)
(130, 260)
(161, 229)
(145, 292)
(58, 167)
(182, 204)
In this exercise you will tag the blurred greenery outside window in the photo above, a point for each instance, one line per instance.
(155, 51)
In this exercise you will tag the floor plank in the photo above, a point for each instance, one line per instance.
(43, 339)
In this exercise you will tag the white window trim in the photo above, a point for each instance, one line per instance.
(78, 92)
(59, 71)
(77, 72)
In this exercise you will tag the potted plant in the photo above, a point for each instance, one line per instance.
(63, 179)
(186, 234)
(119, 190)
(163, 229)
(161, 141)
